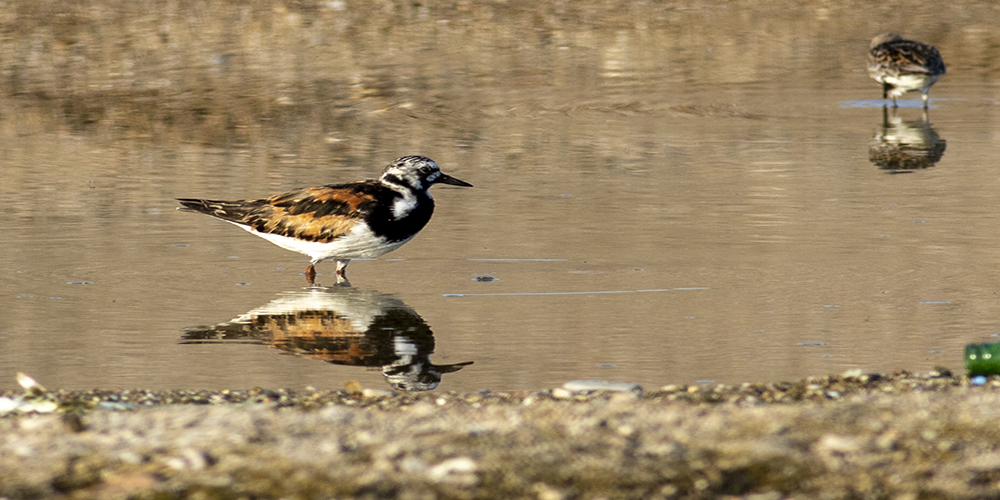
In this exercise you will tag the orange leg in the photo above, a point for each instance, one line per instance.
(311, 274)
(341, 267)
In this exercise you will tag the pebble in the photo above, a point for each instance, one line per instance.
(459, 470)
(560, 393)
(600, 385)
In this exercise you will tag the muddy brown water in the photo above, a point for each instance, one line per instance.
(664, 193)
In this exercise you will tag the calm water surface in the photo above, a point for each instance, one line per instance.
(663, 194)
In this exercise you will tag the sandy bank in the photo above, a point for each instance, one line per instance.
(899, 436)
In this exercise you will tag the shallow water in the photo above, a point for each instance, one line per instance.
(663, 193)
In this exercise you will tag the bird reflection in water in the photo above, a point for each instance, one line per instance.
(340, 325)
(904, 146)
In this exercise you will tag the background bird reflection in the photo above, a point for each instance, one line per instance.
(905, 145)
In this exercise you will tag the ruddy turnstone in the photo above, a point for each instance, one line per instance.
(357, 220)
(903, 65)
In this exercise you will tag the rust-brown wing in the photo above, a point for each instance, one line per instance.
(319, 214)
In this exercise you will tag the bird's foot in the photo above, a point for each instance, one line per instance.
(342, 267)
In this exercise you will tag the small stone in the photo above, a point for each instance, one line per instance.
(600, 385)
(546, 492)
(30, 385)
(354, 388)
(668, 490)
(7, 405)
(560, 393)
(374, 393)
(459, 470)
(412, 464)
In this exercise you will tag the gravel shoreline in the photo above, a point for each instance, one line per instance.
(903, 435)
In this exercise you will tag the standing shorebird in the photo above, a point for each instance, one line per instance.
(362, 219)
(903, 65)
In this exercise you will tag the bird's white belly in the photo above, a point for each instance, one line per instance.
(905, 83)
(358, 243)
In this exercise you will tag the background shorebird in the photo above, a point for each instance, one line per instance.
(902, 65)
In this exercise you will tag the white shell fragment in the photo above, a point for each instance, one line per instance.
(600, 385)
(29, 384)
(31, 401)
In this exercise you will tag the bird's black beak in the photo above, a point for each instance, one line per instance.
(447, 179)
